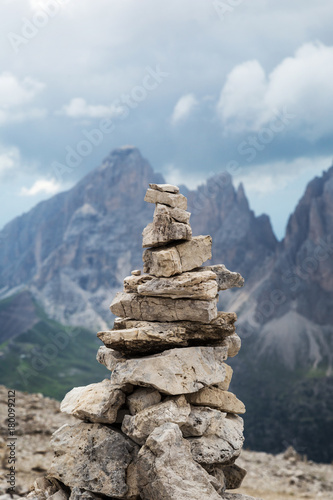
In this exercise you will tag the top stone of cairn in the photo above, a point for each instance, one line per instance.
(165, 188)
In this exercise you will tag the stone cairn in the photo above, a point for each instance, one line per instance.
(165, 427)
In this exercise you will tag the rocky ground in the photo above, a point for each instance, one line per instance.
(279, 477)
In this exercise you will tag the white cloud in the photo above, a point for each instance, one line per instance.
(276, 176)
(301, 84)
(183, 108)
(9, 160)
(78, 108)
(41, 186)
(177, 176)
(16, 93)
(15, 96)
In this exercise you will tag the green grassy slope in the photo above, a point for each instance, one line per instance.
(49, 357)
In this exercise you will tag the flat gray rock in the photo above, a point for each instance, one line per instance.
(166, 470)
(225, 279)
(95, 402)
(200, 419)
(220, 327)
(154, 337)
(188, 285)
(168, 188)
(139, 427)
(93, 457)
(176, 371)
(234, 476)
(170, 260)
(165, 229)
(176, 214)
(166, 198)
(135, 306)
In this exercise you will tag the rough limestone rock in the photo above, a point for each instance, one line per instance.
(220, 327)
(189, 285)
(93, 457)
(168, 188)
(217, 398)
(200, 419)
(224, 386)
(95, 402)
(176, 214)
(175, 259)
(154, 337)
(234, 476)
(165, 198)
(235, 344)
(164, 229)
(221, 443)
(225, 279)
(78, 493)
(167, 471)
(216, 470)
(132, 305)
(142, 398)
(139, 427)
(173, 372)
(237, 496)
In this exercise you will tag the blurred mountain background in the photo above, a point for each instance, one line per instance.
(63, 261)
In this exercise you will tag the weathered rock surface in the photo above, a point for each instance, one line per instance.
(154, 337)
(168, 188)
(191, 285)
(142, 398)
(78, 493)
(165, 198)
(95, 402)
(132, 305)
(176, 259)
(167, 471)
(139, 427)
(221, 327)
(200, 419)
(234, 476)
(176, 214)
(225, 279)
(217, 398)
(164, 230)
(224, 386)
(239, 496)
(93, 457)
(176, 371)
(221, 443)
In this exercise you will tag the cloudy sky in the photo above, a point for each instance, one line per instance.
(200, 86)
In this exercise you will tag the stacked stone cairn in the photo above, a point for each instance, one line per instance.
(165, 426)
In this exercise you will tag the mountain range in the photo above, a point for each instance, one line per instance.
(68, 256)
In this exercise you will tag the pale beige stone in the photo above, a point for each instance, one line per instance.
(177, 214)
(166, 470)
(192, 285)
(221, 327)
(142, 398)
(154, 337)
(176, 259)
(235, 344)
(139, 427)
(221, 443)
(163, 231)
(95, 402)
(176, 371)
(135, 306)
(165, 198)
(216, 398)
(224, 386)
(93, 457)
(136, 272)
(169, 188)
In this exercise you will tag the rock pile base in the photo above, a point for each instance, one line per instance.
(164, 426)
